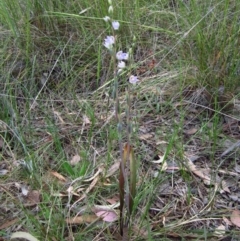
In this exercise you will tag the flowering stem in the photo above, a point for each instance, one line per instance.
(126, 152)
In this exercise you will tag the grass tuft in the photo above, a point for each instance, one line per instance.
(60, 155)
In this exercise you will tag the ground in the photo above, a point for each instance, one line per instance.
(60, 138)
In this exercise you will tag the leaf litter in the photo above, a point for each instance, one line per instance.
(196, 195)
(209, 189)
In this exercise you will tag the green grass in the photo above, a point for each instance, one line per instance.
(56, 102)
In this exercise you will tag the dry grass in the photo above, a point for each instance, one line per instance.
(59, 140)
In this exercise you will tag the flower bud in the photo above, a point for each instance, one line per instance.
(110, 9)
(106, 19)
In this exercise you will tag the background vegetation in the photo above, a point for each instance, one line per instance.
(58, 136)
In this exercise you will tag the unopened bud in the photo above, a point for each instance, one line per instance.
(110, 9)
(134, 38)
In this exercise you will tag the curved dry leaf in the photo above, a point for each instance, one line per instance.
(24, 235)
(191, 131)
(8, 223)
(145, 137)
(91, 186)
(33, 198)
(58, 176)
(235, 217)
(100, 170)
(200, 172)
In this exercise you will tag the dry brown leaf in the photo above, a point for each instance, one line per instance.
(161, 143)
(235, 217)
(145, 136)
(58, 176)
(8, 223)
(200, 172)
(225, 186)
(227, 221)
(33, 198)
(100, 169)
(75, 160)
(82, 219)
(191, 131)
(93, 183)
(113, 200)
(113, 169)
(70, 190)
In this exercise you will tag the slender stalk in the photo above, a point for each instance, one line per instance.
(133, 179)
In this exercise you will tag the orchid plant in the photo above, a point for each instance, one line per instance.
(127, 185)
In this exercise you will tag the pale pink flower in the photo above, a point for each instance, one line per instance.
(133, 79)
(109, 41)
(121, 56)
(121, 65)
(115, 25)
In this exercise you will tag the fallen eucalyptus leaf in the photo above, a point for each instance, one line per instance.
(235, 217)
(25, 235)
